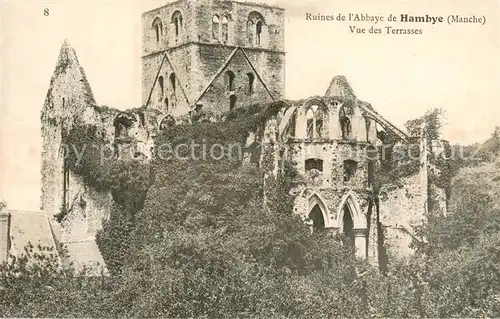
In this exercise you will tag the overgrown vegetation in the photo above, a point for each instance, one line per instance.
(200, 243)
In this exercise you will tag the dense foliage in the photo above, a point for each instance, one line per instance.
(202, 243)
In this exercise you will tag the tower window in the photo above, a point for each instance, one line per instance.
(225, 29)
(160, 83)
(251, 79)
(255, 27)
(232, 101)
(166, 105)
(230, 80)
(158, 28)
(172, 81)
(250, 28)
(177, 21)
(258, 31)
(215, 27)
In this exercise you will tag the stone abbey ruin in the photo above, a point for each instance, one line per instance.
(203, 59)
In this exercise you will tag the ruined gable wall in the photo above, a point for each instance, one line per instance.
(68, 96)
(217, 98)
(208, 59)
(180, 65)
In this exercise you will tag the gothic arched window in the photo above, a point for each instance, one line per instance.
(177, 22)
(158, 28)
(315, 118)
(160, 84)
(172, 81)
(251, 79)
(225, 29)
(258, 32)
(232, 101)
(314, 163)
(230, 80)
(255, 27)
(215, 27)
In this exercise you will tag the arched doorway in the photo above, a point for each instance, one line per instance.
(316, 216)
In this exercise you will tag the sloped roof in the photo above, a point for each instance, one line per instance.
(29, 226)
(86, 254)
(224, 66)
(70, 82)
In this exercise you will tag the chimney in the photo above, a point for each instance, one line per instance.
(4, 233)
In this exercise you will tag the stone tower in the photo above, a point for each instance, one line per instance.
(212, 55)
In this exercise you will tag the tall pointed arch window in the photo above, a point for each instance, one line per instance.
(158, 28)
(258, 32)
(177, 23)
(345, 118)
(161, 85)
(230, 80)
(215, 27)
(315, 118)
(172, 81)
(317, 213)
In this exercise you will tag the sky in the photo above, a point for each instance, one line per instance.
(455, 67)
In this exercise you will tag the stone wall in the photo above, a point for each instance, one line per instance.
(87, 209)
(325, 183)
(168, 37)
(217, 98)
(177, 92)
